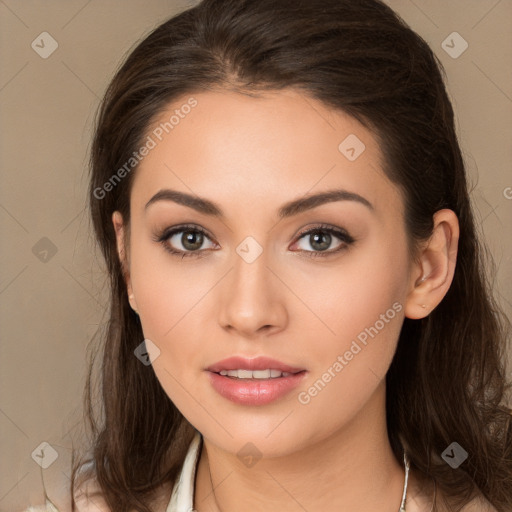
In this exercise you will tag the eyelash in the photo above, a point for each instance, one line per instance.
(164, 236)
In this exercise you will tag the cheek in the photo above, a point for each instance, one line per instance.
(171, 297)
(364, 311)
(360, 305)
(164, 286)
(367, 287)
(168, 301)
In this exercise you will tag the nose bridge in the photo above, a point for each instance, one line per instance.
(250, 271)
(250, 297)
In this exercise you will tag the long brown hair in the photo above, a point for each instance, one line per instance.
(447, 382)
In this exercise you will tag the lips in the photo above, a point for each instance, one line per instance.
(257, 363)
(254, 391)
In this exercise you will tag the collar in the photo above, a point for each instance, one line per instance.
(182, 498)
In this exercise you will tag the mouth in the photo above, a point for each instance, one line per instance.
(255, 375)
(254, 381)
(260, 367)
(255, 387)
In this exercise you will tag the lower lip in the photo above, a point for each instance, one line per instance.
(254, 391)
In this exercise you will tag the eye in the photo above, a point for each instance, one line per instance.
(190, 237)
(320, 239)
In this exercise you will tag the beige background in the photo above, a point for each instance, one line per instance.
(49, 310)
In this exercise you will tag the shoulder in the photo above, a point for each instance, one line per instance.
(89, 498)
(423, 495)
(478, 504)
(41, 508)
(94, 503)
(82, 504)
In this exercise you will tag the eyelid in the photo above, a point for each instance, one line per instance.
(324, 227)
(167, 232)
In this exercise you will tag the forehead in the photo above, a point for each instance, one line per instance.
(275, 147)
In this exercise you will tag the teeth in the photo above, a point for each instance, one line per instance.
(256, 374)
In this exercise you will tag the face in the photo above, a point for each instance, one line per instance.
(321, 288)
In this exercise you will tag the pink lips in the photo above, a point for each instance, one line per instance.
(254, 391)
(257, 363)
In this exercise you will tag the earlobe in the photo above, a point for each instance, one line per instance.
(117, 221)
(434, 272)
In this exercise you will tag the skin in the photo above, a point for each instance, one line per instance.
(250, 156)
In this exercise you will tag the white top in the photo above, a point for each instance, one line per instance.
(182, 498)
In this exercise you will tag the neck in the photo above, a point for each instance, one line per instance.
(354, 468)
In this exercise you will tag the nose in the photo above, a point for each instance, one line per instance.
(252, 299)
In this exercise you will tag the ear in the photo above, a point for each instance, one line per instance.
(119, 228)
(432, 276)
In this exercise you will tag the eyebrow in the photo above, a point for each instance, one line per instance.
(289, 209)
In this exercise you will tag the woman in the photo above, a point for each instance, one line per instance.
(300, 318)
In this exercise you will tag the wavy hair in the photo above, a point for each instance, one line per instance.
(447, 381)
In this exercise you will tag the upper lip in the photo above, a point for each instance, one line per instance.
(256, 363)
